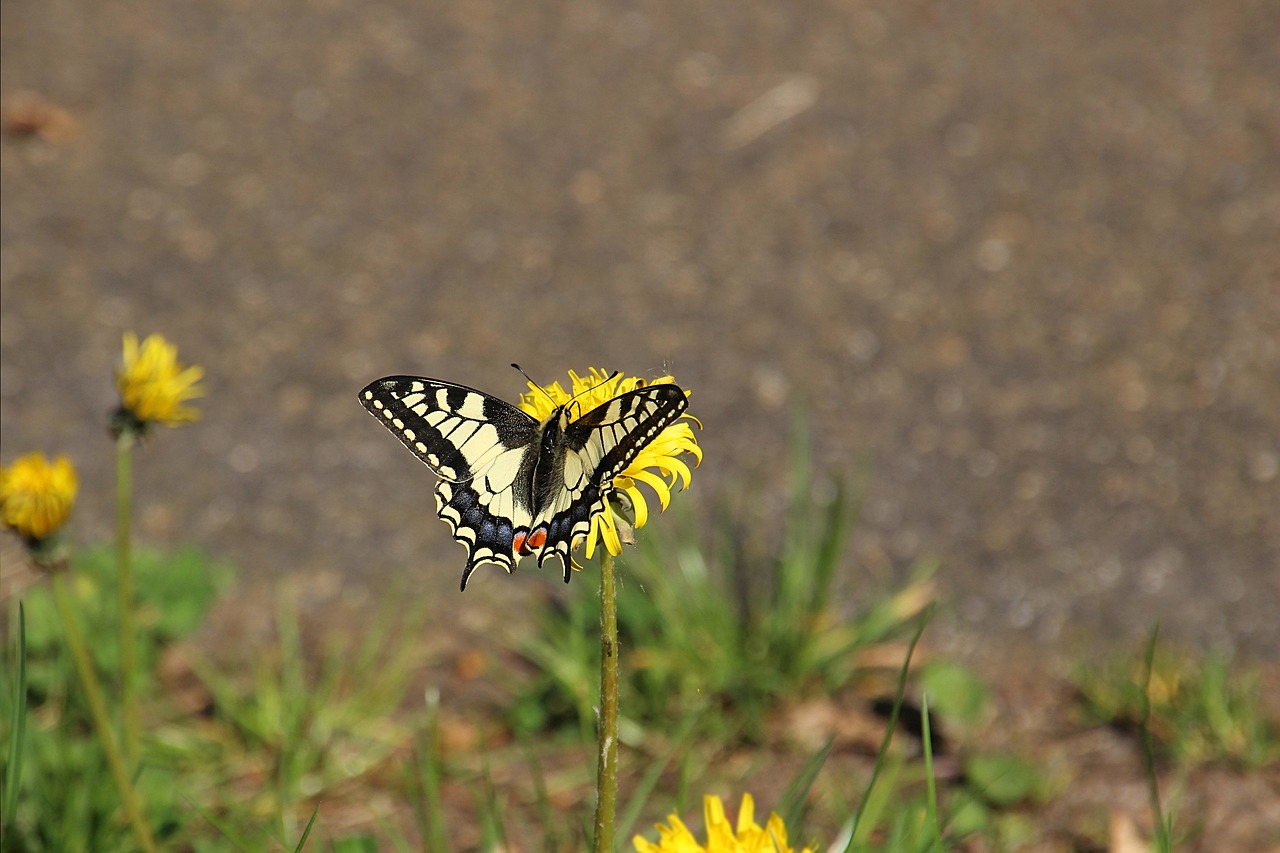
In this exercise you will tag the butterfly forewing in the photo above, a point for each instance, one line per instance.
(454, 429)
(624, 426)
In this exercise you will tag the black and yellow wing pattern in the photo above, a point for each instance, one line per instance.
(509, 485)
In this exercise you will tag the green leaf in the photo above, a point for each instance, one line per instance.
(955, 692)
(356, 844)
(1003, 779)
(967, 814)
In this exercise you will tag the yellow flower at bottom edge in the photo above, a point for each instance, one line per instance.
(36, 497)
(749, 836)
(662, 455)
(154, 386)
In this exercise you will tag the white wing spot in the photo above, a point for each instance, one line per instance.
(573, 472)
(502, 472)
(472, 407)
(461, 432)
(481, 438)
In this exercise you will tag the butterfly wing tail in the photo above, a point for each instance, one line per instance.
(487, 538)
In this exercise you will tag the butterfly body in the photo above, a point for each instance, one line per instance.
(510, 485)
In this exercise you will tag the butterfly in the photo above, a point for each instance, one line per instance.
(511, 486)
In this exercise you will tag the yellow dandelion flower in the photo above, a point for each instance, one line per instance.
(154, 385)
(749, 837)
(658, 465)
(36, 497)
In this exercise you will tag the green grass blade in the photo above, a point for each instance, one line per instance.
(640, 796)
(492, 820)
(890, 726)
(879, 803)
(428, 807)
(931, 784)
(1163, 841)
(18, 731)
(795, 573)
(394, 835)
(226, 831)
(793, 799)
(836, 524)
(302, 842)
(550, 824)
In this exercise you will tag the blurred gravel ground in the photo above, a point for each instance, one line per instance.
(1025, 254)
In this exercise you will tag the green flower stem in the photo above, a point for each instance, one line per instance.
(98, 710)
(124, 577)
(607, 785)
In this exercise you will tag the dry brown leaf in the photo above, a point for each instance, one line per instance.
(1124, 835)
(31, 114)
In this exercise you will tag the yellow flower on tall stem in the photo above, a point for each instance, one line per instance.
(658, 466)
(722, 837)
(36, 497)
(154, 389)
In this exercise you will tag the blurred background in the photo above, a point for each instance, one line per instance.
(1023, 257)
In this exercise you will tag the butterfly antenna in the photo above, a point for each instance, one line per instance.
(541, 390)
(607, 380)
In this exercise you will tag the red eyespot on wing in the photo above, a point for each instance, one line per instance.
(537, 539)
(519, 542)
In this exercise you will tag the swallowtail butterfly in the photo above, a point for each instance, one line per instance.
(509, 485)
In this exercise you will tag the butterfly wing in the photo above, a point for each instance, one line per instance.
(597, 448)
(483, 450)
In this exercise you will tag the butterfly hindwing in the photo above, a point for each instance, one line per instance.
(509, 485)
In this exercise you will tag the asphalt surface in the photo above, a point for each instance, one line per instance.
(1023, 255)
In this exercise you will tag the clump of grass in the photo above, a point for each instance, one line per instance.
(733, 630)
(64, 800)
(302, 731)
(311, 730)
(721, 639)
(1196, 709)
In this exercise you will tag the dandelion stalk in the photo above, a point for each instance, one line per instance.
(607, 784)
(98, 710)
(613, 449)
(124, 568)
(154, 389)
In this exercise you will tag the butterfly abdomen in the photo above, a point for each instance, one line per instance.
(548, 472)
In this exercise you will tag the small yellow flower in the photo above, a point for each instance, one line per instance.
(750, 837)
(154, 385)
(36, 497)
(662, 455)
